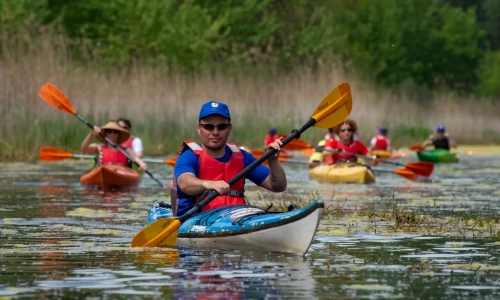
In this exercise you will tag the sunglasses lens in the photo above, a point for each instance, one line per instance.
(210, 127)
(222, 126)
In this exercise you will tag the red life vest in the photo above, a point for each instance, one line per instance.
(212, 169)
(271, 138)
(381, 142)
(111, 157)
(128, 143)
(355, 147)
(329, 145)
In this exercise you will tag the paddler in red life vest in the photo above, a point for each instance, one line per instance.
(441, 140)
(106, 153)
(208, 166)
(380, 141)
(334, 150)
(133, 142)
(271, 137)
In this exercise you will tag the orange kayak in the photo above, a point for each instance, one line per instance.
(111, 176)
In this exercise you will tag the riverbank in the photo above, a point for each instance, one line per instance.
(163, 105)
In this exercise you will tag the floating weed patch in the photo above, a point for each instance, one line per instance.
(385, 215)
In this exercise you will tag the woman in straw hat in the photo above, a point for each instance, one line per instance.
(106, 153)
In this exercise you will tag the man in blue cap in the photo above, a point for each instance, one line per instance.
(201, 168)
(441, 140)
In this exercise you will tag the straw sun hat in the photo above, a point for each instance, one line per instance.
(122, 137)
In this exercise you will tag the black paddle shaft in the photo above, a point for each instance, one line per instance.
(294, 135)
(118, 148)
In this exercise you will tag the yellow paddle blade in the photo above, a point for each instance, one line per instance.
(162, 232)
(55, 97)
(53, 154)
(335, 108)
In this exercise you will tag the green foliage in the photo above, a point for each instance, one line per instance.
(491, 135)
(395, 41)
(427, 42)
(407, 135)
(489, 75)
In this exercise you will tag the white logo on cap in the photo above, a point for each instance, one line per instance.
(215, 104)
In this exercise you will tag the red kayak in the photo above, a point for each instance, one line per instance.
(111, 176)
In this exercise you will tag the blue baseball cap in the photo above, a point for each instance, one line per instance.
(440, 128)
(214, 108)
(382, 130)
(273, 131)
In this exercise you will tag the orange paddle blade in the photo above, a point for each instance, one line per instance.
(416, 147)
(308, 152)
(53, 154)
(421, 168)
(55, 97)
(170, 161)
(258, 153)
(296, 144)
(406, 174)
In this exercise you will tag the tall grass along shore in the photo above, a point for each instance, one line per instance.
(163, 104)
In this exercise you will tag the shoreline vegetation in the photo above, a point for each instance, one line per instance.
(163, 105)
(262, 89)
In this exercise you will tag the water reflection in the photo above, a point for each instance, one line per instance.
(61, 240)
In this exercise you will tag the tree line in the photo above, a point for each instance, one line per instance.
(431, 43)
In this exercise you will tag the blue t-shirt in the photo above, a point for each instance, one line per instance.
(189, 162)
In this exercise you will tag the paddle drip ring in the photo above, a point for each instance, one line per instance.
(298, 133)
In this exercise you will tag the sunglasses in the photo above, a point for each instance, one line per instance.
(111, 131)
(344, 130)
(210, 127)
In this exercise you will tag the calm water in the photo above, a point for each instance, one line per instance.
(59, 240)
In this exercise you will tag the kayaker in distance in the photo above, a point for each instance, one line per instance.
(330, 134)
(347, 143)
(106, 153)
(380, 141)
(133, 142)
(441, 140)
(208, 166)
(271, 136)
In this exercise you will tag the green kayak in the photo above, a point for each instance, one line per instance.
(438, 156)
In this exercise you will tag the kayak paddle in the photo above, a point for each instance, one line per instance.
(335, 108)
(422, 168)
(56, 98)
(55, 154)
(417, 147)
(406, 173)
(419, 168)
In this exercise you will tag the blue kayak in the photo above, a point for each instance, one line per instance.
(248, 228)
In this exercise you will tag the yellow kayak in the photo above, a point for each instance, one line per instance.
(382, 154)
(317, 156)
(342, 173)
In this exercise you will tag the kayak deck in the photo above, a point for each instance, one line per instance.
(247, 228)
(437, 156)
(111, 176)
